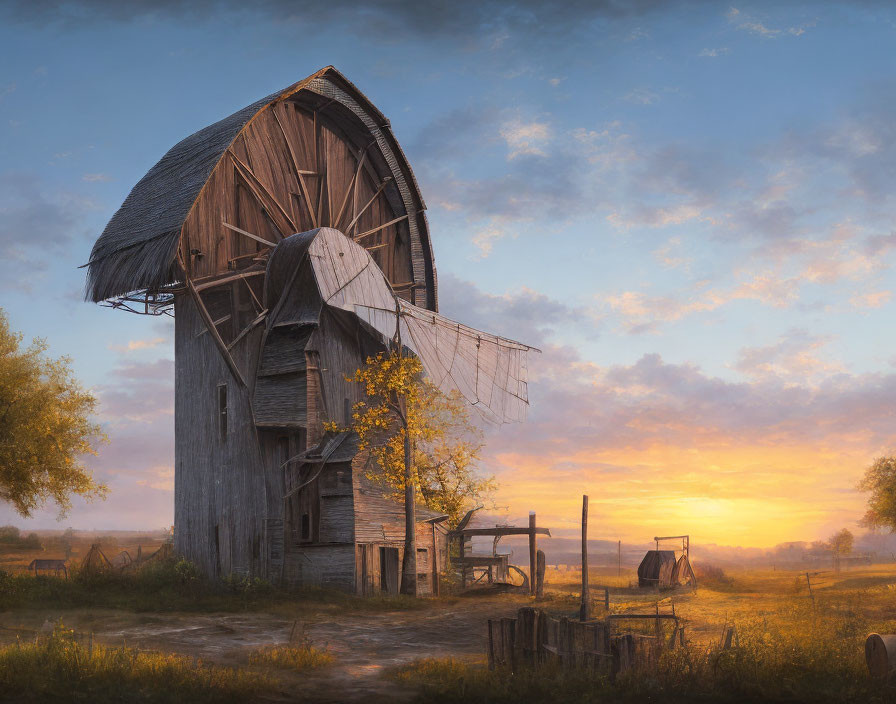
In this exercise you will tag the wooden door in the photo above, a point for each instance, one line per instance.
(389, 570)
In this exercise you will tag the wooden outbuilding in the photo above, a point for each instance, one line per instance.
(289, 242)
(664, 569)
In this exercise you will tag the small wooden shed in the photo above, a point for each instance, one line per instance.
(657, 568)
(660, 568)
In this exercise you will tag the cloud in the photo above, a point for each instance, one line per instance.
(525, 315)
(875, 299)
(713, 53)
(642, 313)
(754, 26)
(493, 19)
(96, 177)
(667, 254)
(794, 359)
(525, 138)
(749, 463)
(33, 222)
(134, 345)
(641, 96)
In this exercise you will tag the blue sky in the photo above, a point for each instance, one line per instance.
(687, 206)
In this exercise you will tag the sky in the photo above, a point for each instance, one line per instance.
(686, 206)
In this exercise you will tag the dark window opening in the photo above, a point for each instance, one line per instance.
(222, 410)
(306, 527)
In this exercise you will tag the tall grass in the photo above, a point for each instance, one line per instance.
(165, 585)
(801, 652)
(61, 667)
(177, 585)
(300, 657)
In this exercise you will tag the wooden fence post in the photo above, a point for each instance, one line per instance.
(532, 549)
(539, 573)
(585, 606)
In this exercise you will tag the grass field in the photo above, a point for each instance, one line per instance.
(791, 647)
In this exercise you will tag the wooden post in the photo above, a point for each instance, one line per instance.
(532, 557)
(586, 597)
(809, 584)
(463, 562)
(539, 573)
(435, 562)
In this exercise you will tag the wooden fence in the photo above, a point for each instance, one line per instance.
(534, 638)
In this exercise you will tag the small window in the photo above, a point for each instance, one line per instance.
(306, 527)
(222, 409)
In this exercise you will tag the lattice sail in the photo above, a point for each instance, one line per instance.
(491, 372)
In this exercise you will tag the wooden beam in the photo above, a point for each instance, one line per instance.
(246, 330)
(381, 227)
(252, 293)
(213, 331)
(351, 186)
(300, 173)
(249, 234)
(506, 530)
(227, 279)
(255, 186)
(364, 209)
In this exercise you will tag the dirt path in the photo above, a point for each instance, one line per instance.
(365, 644)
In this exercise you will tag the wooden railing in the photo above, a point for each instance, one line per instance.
(534, 638)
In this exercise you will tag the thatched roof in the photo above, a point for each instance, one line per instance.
(137, 249)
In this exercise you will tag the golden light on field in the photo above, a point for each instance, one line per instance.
(753, 496)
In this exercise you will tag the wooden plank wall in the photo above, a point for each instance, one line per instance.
(273, 202)
(221, 493)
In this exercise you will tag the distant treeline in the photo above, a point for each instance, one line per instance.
(12, 536)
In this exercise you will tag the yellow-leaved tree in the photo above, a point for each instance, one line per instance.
(423, 444)
(45, 427)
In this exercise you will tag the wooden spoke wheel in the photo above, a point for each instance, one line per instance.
(306, 162)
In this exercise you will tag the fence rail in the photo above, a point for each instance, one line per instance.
(534, 638)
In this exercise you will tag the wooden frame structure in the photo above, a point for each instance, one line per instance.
(495, 562)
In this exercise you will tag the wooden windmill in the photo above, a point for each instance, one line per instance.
(289, 241)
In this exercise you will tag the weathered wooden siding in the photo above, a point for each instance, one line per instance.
(257, 186)
(321, 565)
(341, 351)
(221, 483)
(281, 401)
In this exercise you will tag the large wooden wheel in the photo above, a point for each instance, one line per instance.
(304, 162)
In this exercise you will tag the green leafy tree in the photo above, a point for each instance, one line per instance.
(45, 427)
(880, 482)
